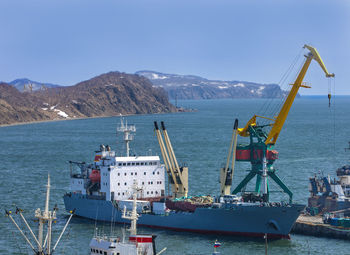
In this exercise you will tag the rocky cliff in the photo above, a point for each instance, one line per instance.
(109, 94)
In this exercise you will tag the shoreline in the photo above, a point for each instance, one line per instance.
(80, 118)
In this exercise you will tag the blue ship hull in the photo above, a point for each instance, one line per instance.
(253, 220)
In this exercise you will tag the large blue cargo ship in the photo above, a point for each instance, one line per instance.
(102, 189)
(245, 219)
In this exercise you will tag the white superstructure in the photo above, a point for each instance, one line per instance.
(111, 176)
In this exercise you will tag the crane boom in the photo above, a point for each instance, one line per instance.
(282, 116)
(178, 175)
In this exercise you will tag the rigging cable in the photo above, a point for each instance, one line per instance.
(278, 107)
(268, 107)
(334, 158)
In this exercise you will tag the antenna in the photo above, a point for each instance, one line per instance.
(133, 216)
(127, 130)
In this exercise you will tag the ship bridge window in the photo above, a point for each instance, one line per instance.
(137, 163)
(124, 164)
(142, 163)
(105, 253)
(146, 163)
(135, 173)
(132, 173)
(119, 164)
(144, 173)
(133, 163)
(125, 183)
(129, 164)
(125, 174)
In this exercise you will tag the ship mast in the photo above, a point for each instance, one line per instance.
(132, 216)
(43, 217)
(126, 129)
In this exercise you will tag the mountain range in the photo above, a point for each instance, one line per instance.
(114, 93)
(25, 84)
(109, 94)
(196, 87)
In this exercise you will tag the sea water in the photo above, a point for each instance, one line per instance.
(312, 141)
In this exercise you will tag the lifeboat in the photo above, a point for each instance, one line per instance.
(95, 176)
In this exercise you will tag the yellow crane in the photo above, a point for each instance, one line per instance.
(178, 175)
(260, 151)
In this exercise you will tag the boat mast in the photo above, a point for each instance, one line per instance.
(132, 216)
(124, 128)
(43, 216)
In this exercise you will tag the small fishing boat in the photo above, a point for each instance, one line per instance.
(137, 244)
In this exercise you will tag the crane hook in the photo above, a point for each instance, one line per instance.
(329, 99)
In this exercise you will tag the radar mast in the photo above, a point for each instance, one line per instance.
(127, 130)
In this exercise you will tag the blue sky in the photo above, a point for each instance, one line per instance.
(64, 42)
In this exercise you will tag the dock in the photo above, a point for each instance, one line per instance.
(314, 226)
